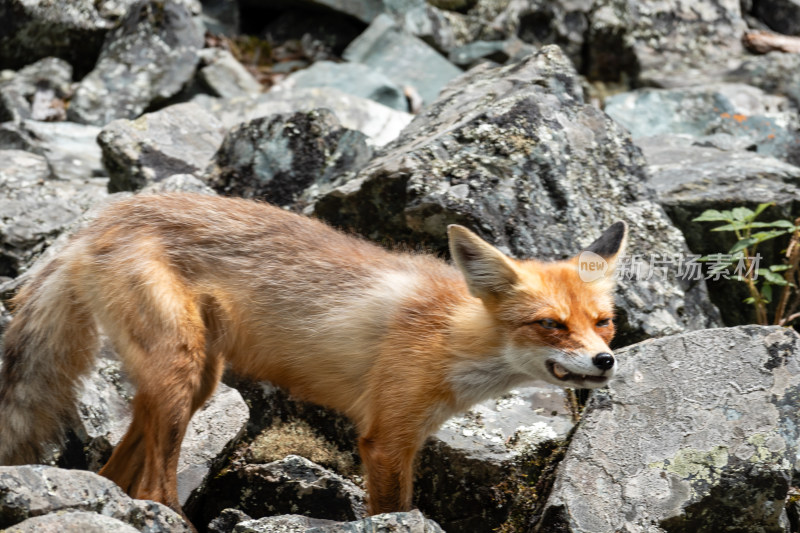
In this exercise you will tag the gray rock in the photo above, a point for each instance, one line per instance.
(37, 91)
(104, 415)
(508, 150)
(782, 16)
(178, 183)
(668, 43)
(473, 53)
(74, 32)
(31, 491)
(291, 485)
(542, 22)
(698, 433)
(35, 209)
(403, 58)
(71, 149)
(774, 73)
(689, 177)
(490, 446)
(378, 122)
(179, 139)
(278, 158)
(221, 17)
(351, 78)
(148, 58)
(227, 520)
(82, 521)
(225, 76)
(730, 116)
(410, 522)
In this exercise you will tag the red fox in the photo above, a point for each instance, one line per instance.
(183, 284)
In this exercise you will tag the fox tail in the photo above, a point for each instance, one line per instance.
(50, 343)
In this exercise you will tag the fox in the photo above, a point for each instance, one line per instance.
(185, 285)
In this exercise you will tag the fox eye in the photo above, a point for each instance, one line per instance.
(549, 323)
(604, 322)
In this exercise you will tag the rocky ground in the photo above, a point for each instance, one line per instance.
(536, 123)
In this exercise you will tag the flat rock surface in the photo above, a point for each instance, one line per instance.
(697, 430)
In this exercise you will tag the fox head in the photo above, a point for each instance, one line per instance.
(556, 317)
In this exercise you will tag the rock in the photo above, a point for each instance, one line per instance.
(667, 44)
(35, 209)
(774, 73)
(219, 422)
(221, 17)
(410, 522)
(291, 485)
(36, 29)
(386, 48)
(71, 149)
(698, 432)
(104, 415)
(37, 91)
(508, 150)
(179, 139)
(82, 521)
(730, 116)
(225, 76)
(471, 54)
(540, 22)
(148, 58)
(689, 178)
(329, 32)
(283, 523)
(178, 183)
(496, 442)
(782, 16)
(378, 122)
(277, 158)
(227, 520)
(351, 78)
(33, 491)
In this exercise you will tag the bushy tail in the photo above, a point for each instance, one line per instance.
(49, 344)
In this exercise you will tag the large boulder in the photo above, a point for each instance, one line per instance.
(282, 157)
(387, 48)
(774, 73)
(36, 29)
(35, 208)
(689, 177)
(730, 116)
(379, 123)
(71, 149)
(179, 139)
(516, 154)
(699, 432)
(148, 58)
(35, 491)
(410, 522)
(351, 78)
(472, 470)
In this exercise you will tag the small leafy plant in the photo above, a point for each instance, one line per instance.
(762, 282)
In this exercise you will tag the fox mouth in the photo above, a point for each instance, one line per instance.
(562, 374)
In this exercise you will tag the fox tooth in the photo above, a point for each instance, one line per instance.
(560, 371)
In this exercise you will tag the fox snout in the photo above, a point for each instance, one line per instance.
(582, 370)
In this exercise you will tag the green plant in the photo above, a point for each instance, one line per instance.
(760, 282)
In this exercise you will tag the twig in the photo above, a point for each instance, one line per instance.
(762, 42)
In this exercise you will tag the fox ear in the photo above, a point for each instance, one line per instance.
(489, 273)
(611, 244)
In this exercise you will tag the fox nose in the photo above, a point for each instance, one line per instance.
(603, 361)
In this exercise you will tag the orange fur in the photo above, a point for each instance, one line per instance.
(399, 342)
